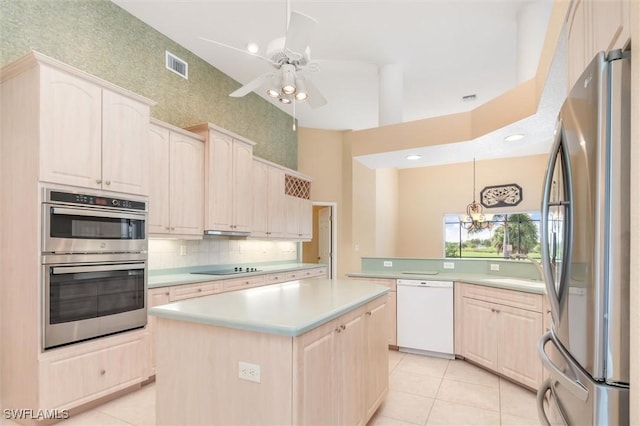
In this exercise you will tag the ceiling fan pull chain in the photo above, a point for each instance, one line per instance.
(294, 113)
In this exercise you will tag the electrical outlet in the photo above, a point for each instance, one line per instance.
(388, 263)
(448, 265)
(183, 250)
(248, 371)
(495, 267)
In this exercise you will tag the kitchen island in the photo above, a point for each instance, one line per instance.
(303, 352)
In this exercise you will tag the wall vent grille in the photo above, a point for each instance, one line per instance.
(297, 187)
(176, 65)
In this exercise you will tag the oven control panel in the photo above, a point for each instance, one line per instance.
(95, 200)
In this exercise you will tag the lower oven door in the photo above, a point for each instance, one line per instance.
(84, 301)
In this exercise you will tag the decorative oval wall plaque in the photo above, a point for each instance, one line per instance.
(501, 195)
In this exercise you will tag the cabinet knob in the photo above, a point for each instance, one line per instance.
(166, 294)
(103, 372)
(108, 182)
(369, 313)
(338, 330)
(246, 282)
(98, 181)
(199, 290)
(343, 326)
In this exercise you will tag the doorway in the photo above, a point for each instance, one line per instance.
(323, 246)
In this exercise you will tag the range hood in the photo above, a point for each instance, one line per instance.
(228, 233)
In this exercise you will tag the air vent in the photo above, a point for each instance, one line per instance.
(176, 65)
(469, 98)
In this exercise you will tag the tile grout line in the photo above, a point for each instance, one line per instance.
(435, 398)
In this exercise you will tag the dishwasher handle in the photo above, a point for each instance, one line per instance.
(420, 283)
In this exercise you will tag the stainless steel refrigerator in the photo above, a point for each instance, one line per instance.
(585, 251)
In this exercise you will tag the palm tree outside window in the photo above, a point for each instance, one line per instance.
(522, 237)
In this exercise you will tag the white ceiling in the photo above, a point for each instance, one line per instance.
(447, 49)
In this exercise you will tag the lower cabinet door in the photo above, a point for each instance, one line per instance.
(480, 325)
(377, 364)
(518, 334)
(314, 378)
(74, 376)
(351, 368)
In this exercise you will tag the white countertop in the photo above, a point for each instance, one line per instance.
(289, 309)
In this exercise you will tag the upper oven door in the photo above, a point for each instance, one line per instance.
(75, 229)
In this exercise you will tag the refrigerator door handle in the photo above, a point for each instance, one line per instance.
(552, 293)
(574, 387)
(545, 388)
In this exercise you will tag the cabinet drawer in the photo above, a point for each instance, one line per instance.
(516, 299)
(245, 282)
(78, 377)
(181, 292)
(305, 273)
(275, 278)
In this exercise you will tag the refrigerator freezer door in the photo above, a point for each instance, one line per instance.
(569, 395)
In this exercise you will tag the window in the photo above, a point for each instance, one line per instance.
(522, 236)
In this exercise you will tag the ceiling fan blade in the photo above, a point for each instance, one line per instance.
(315, 99)
(299, 34)
(246, 52)
(250, 86)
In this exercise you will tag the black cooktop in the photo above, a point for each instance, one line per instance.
(228, 271)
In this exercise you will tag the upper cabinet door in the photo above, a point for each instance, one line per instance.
(243, 186)
(159, 195)
(125, 144)
(219, 182)
(70, 126)
(187, 185)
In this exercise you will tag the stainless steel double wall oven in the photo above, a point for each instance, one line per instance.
(94, 261)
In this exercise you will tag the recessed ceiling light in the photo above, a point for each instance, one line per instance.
(413, 157)
(514, 137)
(253, 47)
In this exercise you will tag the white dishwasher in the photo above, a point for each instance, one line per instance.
(425, 317)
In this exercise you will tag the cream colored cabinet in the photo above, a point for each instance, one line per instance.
(595, 26)
(244, 282)
(377, 356)
(299, 218)
(228, 180)
(299, 209)
(341, 369)
(65, 127)
(499, 329)
(78, 374)
(391, 310)
(268, 200)
(176, 196)
(91, 136)
(156, 297)
(189, 291)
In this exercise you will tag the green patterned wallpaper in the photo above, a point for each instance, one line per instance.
(102, 39)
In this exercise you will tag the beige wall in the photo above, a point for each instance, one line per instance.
(426, 194)
(386, 219)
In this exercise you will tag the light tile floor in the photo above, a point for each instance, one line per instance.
(422, 391)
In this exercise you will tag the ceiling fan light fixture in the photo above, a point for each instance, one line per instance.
(285, 100)
(288, 79)
(301, 90)
(273, 89)
(253, 47)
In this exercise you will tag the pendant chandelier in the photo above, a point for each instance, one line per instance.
(475, 219)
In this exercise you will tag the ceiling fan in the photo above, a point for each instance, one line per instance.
(290, 56)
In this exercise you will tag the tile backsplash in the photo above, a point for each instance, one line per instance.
(217, 251)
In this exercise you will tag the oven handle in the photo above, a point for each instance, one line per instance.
(96, 213)
(95, 268)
